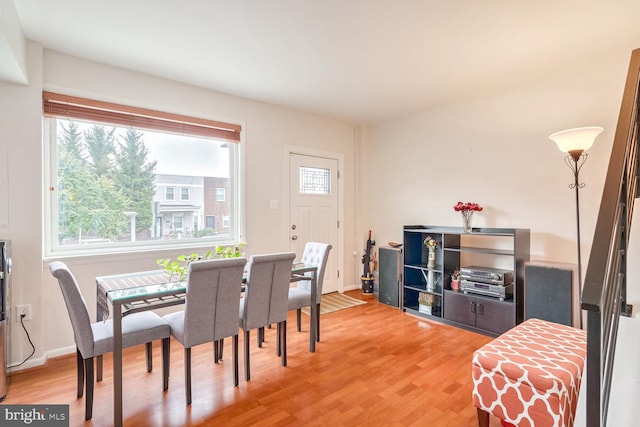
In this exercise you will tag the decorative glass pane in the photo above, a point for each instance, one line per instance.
(314, 181)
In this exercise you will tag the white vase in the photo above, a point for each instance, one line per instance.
(432, 258)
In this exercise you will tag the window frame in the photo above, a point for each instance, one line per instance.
(53, 249)
(221, 191)
(168, 190)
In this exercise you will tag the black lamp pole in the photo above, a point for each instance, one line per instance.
(575, 160)
(582, 139)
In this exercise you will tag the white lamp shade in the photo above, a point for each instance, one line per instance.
(576, 139)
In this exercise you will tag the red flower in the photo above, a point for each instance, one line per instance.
(467, 206)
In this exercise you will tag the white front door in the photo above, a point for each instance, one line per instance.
(313, 193)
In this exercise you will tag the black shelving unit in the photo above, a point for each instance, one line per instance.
(485, 314)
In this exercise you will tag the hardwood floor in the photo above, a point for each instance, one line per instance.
(375, 366)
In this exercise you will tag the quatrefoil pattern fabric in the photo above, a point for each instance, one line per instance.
(530, 376)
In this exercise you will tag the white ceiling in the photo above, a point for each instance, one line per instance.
(359, 60)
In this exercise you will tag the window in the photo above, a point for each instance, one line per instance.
(211, 221)
(221, 194)
(315, 181)
(113, 166)
(169, 193)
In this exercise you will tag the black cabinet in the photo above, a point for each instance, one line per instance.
(479, 312)
(505, 248)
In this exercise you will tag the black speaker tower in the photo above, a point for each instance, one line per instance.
(551, 292)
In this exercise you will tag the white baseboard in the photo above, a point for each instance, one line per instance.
(32, 363)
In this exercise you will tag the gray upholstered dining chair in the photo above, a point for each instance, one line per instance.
(211, 310)
(95, 339)
(265, 300)
(300, 295)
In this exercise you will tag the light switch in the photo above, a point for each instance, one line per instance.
(273, 204)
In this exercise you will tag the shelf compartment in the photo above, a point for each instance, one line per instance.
(411, 303)
(417, 278)
(414, 250)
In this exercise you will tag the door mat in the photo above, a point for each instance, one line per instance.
(335, 301)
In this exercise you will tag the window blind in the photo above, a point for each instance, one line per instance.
(71, 107)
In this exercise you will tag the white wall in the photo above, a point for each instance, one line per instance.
(267, 129)
(494, 150)
(13, 45)
(21, 143)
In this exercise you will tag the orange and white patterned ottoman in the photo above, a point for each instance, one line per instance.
(530, 376)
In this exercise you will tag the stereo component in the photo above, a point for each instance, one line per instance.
(492, 282)
(498, 291)
(493, 276)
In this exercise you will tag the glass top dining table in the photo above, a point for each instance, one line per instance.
(148, 290)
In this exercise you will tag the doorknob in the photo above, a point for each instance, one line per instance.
(294, 237)
(293, 227)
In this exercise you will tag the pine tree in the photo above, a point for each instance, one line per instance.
(70, 142)
(135, 177)
(100, 144)
(89, 205)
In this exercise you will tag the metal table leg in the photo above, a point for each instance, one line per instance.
(117, 364)
(314, 313)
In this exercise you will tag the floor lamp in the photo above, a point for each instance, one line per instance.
(575, 142)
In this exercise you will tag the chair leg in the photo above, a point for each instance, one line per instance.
(187, 375)
(80, 363)
(166, 357)
(278, 341)
(247, 370)
(149, 352)
(260, 336)
(235, 359)
(99, 368)
(283, 343)
(216, 351)
(88, 402)
(318, 323)
(483, 418)
(220, 351)
(299, 319)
